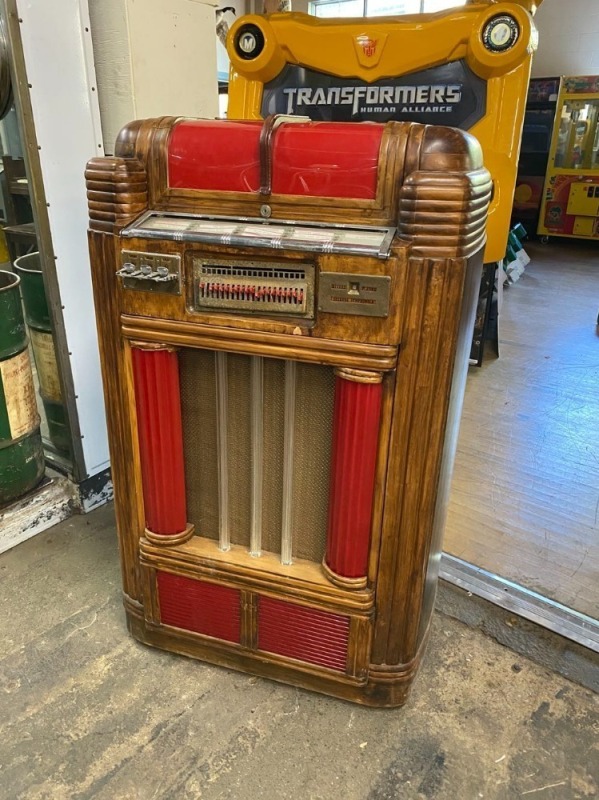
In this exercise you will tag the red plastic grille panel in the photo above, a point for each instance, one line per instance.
(353, 465)
(199, 606)
(306, 634)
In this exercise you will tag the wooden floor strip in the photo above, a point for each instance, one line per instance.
(525, 494)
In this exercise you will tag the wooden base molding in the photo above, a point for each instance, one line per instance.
(302, 581)
(371, 692)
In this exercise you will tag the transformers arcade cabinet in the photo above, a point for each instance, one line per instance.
(467, 67)
(285, 312)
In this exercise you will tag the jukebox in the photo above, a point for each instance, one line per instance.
(285, 310)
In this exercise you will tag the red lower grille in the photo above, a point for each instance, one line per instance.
(199, 606)
(306, 634)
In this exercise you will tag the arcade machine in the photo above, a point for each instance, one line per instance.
(571, 198)
(285, 312)
(537, 132)
(467, 67)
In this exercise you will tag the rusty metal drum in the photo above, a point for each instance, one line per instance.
(37, 316)
(21, 451)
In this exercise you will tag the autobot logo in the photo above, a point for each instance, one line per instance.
(367, 44)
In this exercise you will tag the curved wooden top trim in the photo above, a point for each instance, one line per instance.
(445, 197)
(431, 183)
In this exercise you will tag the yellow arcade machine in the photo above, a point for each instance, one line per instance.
(468, 68)
(571, 197)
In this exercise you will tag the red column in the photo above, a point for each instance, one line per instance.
(158, 403)
(356, 420)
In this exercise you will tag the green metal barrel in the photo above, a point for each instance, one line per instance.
(37, 315)
(21, 451)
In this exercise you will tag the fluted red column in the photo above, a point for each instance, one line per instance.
(158, 403)
(356, 420)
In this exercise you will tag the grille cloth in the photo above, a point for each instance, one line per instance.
(312, 450)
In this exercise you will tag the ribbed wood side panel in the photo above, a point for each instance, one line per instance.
(445, 214)
(306, 634)
(117, 192)
(158, 406)
(355, 440)
(199, 606)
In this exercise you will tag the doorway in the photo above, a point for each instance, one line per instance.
(524, 504)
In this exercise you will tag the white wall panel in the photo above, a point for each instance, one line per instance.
(58, 56)
(153, 57)
(110, 37)
(222, 57)
(569, 32)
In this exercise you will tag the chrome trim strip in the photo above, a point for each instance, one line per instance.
(386, 243)
(222, 430)
(381, 251)
(521, 601)
(257, 437)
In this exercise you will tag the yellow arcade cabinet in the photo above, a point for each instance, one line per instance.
(468, 67)
(571, 197)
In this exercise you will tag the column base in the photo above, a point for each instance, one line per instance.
(167, 539)
(341, 581)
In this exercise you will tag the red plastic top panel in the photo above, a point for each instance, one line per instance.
(318, 159)
(215, 155)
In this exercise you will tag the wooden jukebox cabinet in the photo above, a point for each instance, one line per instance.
(285, 311)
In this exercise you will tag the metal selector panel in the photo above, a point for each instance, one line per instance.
(254, 287)
(309, 237)
(150, 272)
(363, 295)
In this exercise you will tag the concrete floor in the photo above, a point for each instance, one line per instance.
(86, 712)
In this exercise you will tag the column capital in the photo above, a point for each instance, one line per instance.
(154, 346)
(358, 375)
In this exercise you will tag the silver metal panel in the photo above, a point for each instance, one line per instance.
(66, 116)
(254, 287)
(311, 237)
(521, 601)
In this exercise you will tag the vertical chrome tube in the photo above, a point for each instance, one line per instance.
(286, 532)
(224, 541)
(257, 432)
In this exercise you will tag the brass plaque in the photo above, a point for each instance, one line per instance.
(362, 295)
